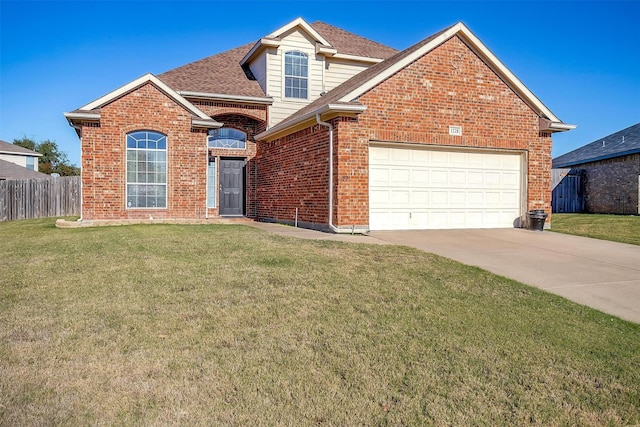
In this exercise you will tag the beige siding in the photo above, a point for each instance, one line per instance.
(16, 159)
(259, 69)
(339, 71)
(282, 108)
(321, 78)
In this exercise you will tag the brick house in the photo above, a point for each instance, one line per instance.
(610, 168)
(316, 125)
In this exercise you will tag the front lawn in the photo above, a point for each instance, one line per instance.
(617, 228)
(228, 325)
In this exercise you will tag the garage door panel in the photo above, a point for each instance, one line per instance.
(401, 198)
(438, 177)
(378, 176)
(430, 188)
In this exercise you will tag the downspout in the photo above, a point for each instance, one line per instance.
(79, 131)
(328, 125)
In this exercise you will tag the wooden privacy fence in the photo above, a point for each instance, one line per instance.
(39, 198)
(568, 194)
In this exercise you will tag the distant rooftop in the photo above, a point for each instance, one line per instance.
(621, 143)
(8, 148)
(10, 170)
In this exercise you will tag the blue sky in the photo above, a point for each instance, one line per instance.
(581, 58)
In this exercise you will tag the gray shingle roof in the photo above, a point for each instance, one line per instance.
(222, 73)
(621, 143)
(6, 147)
(10, 170)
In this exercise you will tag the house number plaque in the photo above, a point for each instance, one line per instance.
(455, 130)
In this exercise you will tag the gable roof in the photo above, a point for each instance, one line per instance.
(10, 170)
(621, 143)
(91, 111)
(8, 148)
(349, 91)
(223, 73)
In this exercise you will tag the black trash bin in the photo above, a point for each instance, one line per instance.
(537, 218)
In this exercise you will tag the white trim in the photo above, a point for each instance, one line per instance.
(334, 108)
(492, 61)
(79, 116)
(325, 50)
(224, 97)
(209, 124)
(357, 58)
(549, 126)
(284, 76)
(305, 26)
(147, 78)
(263, 42)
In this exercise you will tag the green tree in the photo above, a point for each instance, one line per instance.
(53, 160)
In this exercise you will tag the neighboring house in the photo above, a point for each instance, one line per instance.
(316, 125)
(610, 168)
(18, 155)
(10, 170)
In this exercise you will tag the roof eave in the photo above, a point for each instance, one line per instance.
(261, 44)
(547, 125)
(267, 100)
(357, 58)
(87, 117)
(18, 153)
(205, 124)
(133, 85)
(326, 112)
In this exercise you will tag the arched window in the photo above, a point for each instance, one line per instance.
(146, 170)
(296, 74)
(227, 138)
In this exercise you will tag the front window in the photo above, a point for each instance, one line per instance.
(31, 163)
(227, 138)
(296, 72)
(146, 170)
(211, 182)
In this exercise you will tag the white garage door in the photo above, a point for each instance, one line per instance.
(411, 189)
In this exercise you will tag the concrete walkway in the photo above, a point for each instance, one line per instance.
(597, 273)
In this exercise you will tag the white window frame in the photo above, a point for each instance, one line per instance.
(212, 137)
(160, 140)
(285, 75)
(212, 171)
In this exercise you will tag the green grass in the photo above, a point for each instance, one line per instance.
(617, 228)
(228, 325)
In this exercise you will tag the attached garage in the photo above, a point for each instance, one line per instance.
(414, 187)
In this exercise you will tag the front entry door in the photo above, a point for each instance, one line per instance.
(231, 187)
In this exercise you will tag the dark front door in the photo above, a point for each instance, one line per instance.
(231, 187)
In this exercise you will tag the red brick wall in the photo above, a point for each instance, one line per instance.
(293, 173)
(147, 108)
(612, 185)
(449, 86)
(104, 157)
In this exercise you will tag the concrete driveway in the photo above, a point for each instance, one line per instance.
(597, 273)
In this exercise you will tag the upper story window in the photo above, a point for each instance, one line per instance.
(31, 163)
(227, 138)
(296, 75)
(146, 170)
